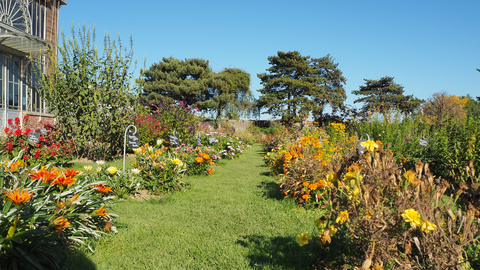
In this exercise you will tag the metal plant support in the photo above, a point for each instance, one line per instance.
(361, 148)
(125, 144)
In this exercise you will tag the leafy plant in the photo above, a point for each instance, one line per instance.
(90, 94)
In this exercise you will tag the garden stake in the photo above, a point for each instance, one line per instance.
(125, 144)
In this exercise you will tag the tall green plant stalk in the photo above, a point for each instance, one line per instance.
(90, 93)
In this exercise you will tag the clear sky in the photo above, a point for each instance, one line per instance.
(427, 46)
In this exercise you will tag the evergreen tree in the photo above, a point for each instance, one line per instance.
(385, 94)
(192, 81)
(297, 85)
(178, 80)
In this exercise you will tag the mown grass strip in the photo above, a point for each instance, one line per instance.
(234, 219)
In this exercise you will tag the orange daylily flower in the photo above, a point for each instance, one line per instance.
(102, 189)
(18, 197)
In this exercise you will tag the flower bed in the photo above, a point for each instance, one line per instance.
(46, 208)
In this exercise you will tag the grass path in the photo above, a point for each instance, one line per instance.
(233, 219)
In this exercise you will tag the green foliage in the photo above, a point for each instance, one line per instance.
(384, 94)
(297, 85)
(52, 208)
(192, 81)
(90, 94)
(161, 171)
(231, 94)
(164, 118)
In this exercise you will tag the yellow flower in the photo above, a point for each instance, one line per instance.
(87, 168)
(342, 217)
(177, 162)
(413, 217)
(369, 145)
(427, 226)
(302, 239)
(288, 157)
(351, 176)
(410, 175)
(305, 184)
(333, 230)
(137, 151)
(369, 214)
(112, 170)
(331, 177)
(100, 212)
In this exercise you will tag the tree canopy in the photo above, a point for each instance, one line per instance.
(442, 108)
(297, 85)
(385, 94)
(192, 81)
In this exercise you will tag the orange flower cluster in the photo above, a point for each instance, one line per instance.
(101, 188)
(201, 157)
(47, 176)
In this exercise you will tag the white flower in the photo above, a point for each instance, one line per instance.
(150, 149)
(135, 171)
(87, 168)
(100, 162)
(99, 169)
(159, 142)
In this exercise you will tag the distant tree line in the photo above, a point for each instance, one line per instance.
(295, 87)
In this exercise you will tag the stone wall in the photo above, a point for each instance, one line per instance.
(36, 121)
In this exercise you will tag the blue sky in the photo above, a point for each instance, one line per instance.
(427, 46)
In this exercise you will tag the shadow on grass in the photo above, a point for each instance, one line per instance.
(77, 260)
(277, 252)
(271, 190)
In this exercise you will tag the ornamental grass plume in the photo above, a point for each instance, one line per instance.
(18, 197)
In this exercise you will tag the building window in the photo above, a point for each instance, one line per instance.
(13, 71)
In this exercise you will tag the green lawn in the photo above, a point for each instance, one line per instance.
(234, 219)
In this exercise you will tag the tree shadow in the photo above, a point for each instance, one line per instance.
(77, 260)
(278, 252)
(271, 190)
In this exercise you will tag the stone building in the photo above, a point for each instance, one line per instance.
(27, 29)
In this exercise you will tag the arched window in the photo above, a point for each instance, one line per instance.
(16, 14)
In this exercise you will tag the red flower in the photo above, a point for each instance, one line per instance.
(52, 153)
(25, 117)
(10, 122)
(25, 157)
(37, 154)
(17, 132)
(7, 130)
(27, 131)
(9, 147)
(17, 121)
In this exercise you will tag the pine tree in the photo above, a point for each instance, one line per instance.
(385, 94)
(297, 85)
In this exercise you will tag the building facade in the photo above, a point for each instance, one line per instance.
(27, 29)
